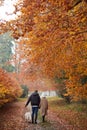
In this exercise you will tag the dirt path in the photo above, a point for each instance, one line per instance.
(12, 118)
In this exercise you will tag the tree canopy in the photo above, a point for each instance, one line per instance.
(55, 34)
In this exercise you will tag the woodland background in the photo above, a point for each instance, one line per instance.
(45, 46)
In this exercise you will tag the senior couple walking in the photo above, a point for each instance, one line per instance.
(36, 104)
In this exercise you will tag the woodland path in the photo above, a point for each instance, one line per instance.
(12, 118)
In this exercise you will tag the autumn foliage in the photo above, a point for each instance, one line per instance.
(58, 42)
(9, 88)
(55, 34)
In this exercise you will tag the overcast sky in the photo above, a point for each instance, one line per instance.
(7, 9)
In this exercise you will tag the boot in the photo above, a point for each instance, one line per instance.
(43, 118)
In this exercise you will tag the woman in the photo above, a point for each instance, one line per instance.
(43, 107)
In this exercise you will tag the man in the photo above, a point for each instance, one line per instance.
(35, 102)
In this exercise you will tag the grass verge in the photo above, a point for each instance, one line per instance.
(74, 114)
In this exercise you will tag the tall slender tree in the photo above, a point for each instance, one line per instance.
(6, 51)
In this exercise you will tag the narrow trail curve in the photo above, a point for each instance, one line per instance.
(12, 118)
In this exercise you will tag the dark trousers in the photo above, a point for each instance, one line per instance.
(34, 114)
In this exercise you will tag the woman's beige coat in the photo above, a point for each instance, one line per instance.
(44, 106)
